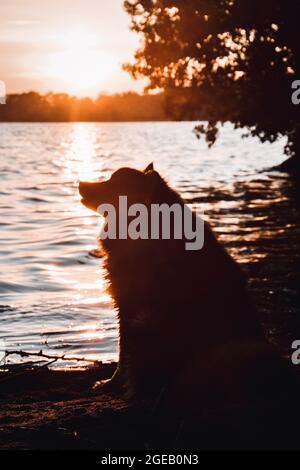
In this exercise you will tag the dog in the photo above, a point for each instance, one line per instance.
(174, 305)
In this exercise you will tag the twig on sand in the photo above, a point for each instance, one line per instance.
(36, 366)
(48, 356)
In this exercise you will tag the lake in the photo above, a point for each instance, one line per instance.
(52, 292)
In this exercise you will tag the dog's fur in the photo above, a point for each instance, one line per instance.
(173, 305)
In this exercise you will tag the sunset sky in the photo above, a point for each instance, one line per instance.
(73, 46)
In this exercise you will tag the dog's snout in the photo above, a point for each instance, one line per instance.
(90, 193)
(84, 187)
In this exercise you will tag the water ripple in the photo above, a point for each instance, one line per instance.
(52, 290)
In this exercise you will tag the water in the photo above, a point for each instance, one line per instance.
(52, 294)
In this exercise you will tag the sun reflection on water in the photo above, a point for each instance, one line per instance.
(82, 152)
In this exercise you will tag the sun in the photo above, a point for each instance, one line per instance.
(80, 66)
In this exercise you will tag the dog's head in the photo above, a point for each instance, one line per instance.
(138, 186)
(143, 190)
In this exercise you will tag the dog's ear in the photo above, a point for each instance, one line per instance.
(150, 167)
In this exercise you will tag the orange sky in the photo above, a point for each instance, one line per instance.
(75, 46)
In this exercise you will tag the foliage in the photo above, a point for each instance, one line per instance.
(232, 60)
(61, 107)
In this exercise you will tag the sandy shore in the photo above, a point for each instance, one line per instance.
(44, 409)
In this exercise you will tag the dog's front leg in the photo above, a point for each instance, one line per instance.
(119, 381)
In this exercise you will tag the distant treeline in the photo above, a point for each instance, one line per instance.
(60, 107)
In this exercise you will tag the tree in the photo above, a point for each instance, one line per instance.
(60, 107)
(231, 60)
